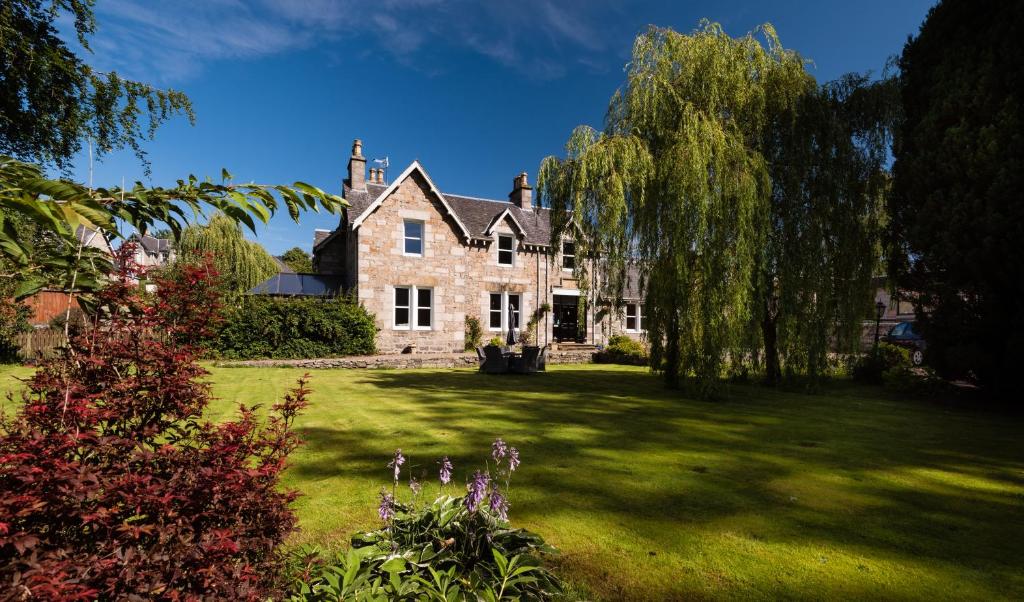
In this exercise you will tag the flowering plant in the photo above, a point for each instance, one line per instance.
(456, 547)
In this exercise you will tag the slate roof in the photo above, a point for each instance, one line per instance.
(154, 245)
(476, 213)
(299, 285)
(282, 267)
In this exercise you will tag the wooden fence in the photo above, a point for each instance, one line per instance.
(39, 343)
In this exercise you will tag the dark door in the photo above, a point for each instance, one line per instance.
(565, 312)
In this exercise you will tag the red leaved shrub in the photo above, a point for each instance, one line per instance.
(112, 486)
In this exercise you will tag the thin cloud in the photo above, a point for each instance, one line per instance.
(175, 40)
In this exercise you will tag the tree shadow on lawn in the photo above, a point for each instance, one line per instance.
(891, 482)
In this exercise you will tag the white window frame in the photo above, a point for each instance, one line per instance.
(406, 237)
(564, 255)
(505, 313)
(500, 311)
(395, 307)
(413, 307)
(433, 302)
(637, 316)
(512, 250)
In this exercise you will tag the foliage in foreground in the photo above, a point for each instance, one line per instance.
(59, 208)
(266, 327)
(113, 486)
(51, 100)
(956, 208)
(454, 548)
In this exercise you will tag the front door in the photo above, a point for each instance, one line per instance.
(565, 313)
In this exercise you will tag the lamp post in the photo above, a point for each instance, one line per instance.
(879, 311)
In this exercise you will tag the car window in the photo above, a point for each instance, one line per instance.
(897, 330)
(909, 331)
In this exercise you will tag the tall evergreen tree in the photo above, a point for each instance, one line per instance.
(957, 208)
(241, 263)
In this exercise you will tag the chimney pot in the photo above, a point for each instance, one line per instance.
(522, 192)
(357, 167)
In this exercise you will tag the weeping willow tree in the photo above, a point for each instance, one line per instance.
(242, 263)
(693, 180)
(676, 183)
(826, 155)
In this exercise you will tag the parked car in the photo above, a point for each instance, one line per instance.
(904, 335)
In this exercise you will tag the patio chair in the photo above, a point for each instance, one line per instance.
(480, 357)
(531, 356)
(495, 362)
(542, 359)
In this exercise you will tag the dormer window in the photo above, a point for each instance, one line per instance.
(506, 249)
(568, 255)
(413, 238)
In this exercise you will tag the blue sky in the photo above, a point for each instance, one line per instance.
(477, 91)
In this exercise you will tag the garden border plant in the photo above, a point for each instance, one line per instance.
(453, 548)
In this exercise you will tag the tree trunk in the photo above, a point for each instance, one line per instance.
(769, 330)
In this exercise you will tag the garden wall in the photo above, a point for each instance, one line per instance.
(408, 360)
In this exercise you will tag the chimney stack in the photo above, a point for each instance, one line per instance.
(522, 193)
(357, 167)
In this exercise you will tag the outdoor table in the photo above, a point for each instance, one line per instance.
(515, 361)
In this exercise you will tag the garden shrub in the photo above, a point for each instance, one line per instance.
(888, 361)
(13, 321)
(268, 327)
(496, 341)
(453, 548)
(622, 349)
(113, 487)
(474, 333)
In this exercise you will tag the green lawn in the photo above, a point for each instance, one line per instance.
(654, 496)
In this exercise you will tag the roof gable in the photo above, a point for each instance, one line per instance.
(507, 213)
(413, 167)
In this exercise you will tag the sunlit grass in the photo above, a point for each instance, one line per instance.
(651, 495)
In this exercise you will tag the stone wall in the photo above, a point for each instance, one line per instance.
(460, 275)
(407, 360)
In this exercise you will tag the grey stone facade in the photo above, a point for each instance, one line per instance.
(421, 261)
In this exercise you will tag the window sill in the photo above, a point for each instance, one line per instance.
(416, 255)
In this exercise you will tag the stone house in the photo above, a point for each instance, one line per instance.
(151, 251)
(422, 260)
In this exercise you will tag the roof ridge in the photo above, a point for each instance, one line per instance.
(475, 198)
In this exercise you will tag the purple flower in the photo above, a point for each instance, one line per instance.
(446, 471)
(513, 459)
(386, 510)
(477, 490)
(498, 450)
(498, 503)
(397, 462)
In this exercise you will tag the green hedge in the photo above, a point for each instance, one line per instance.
(268, 327)
(621, 349)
